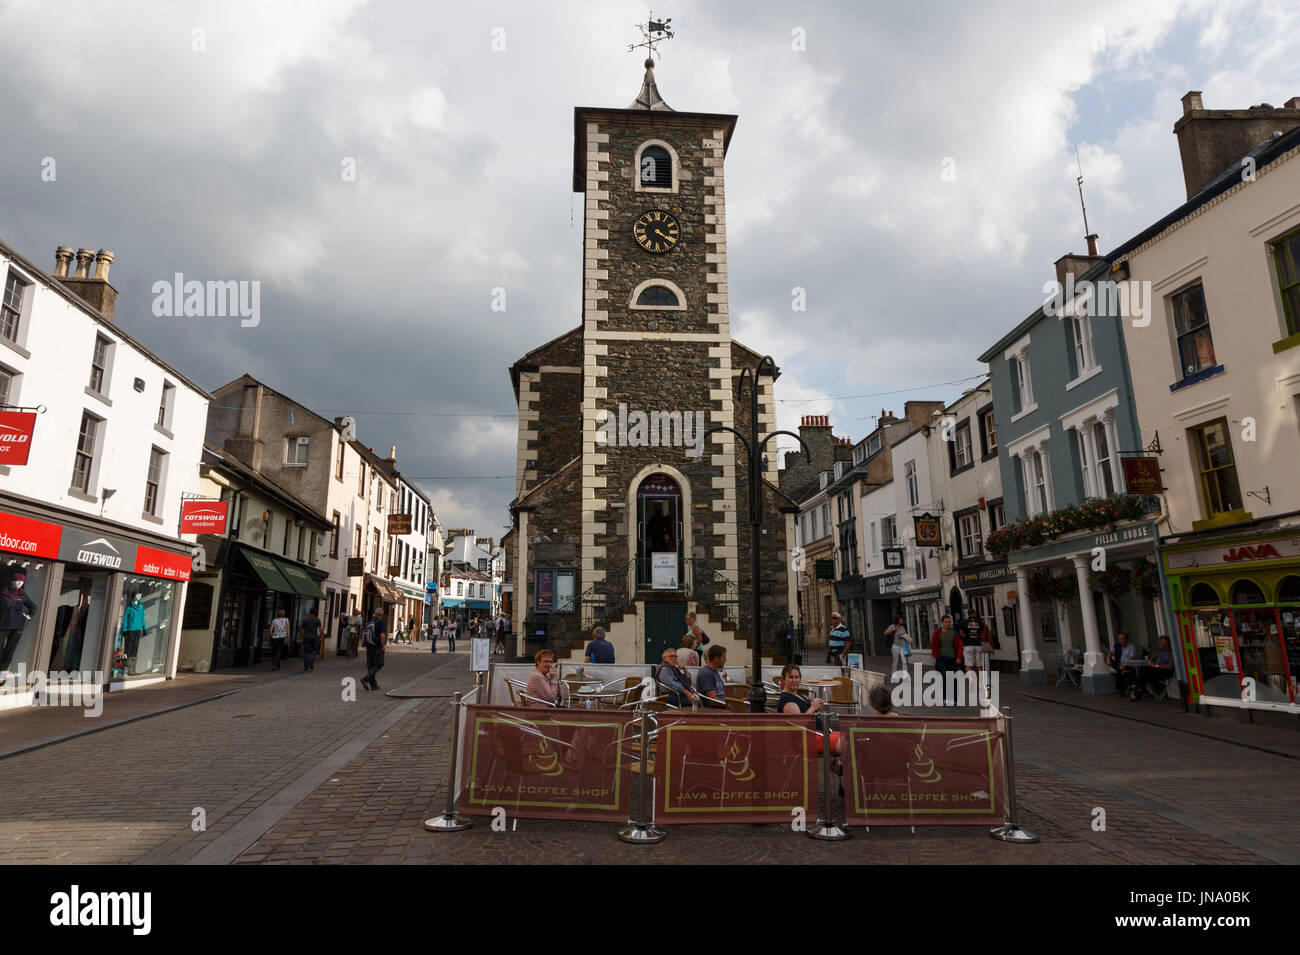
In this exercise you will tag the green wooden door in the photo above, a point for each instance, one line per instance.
(665, 623)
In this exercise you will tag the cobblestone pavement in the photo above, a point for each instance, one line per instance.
(287, 772)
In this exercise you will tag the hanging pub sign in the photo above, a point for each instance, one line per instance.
(16, 428)
(1142, 475)
(893, 557)
(825, 569)
(928, 532)
(399, 524)
(356, 566)
(204, 517)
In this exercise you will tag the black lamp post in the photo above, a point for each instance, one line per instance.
(754, 449)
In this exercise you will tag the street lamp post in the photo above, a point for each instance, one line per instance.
(754, 450)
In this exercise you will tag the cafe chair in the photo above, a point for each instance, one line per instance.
(1162, 690)
(516, 691)
(1069, 665)
(535, 701)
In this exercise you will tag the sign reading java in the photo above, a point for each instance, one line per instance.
(923, 772)
(204, 517)
(543, 763)
(16, 429)
(718, 767)
(1142, 475)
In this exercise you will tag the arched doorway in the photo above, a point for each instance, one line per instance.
(659, 533)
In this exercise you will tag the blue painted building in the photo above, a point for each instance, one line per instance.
(1063, 401)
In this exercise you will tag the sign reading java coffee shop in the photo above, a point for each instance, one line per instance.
(399, 524)
(1142, 475)
(16, 429)
(22, 535)
(1236, 553)
(929, 532)
(204, 517)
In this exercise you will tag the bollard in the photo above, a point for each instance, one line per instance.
(1010, 831)
(449, 821)
(825, 828)
(644, 832)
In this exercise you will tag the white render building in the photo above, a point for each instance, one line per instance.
(111, 436)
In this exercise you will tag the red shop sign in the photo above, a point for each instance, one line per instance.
(22, 535)
(16, 428)
(162, 563)
(204, 517)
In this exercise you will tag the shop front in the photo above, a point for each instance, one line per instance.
(1237, 604)
(255, 587)
(922, 611)
(880, 595)
(989, 590)
(95, 602)
(381, 595)
(851, 596)
(1076, 593)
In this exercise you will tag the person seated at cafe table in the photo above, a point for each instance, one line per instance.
(792, 704)
(882, 701)
(1120, 661)
(1157, 671)
(676, 680)
(544, 682)
(712, 685)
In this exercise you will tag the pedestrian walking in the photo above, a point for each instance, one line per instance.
(452, 626)
(310, 628)
(945, 647)
(279, 637)
(900, 646)
(434, 631)
(375, 636)
(354, 633)
(839, 639)
(501, 634)
(976, 641)
(342, 647)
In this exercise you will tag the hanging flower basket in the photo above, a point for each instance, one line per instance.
(1113, 581)
(1041, 585)
(1065, 587)
(1146, 578)
(1096, 513)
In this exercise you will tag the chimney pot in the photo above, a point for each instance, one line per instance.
(103, 259)
(84, 258)
(62, 259)
(1092, 244)
(1191, 101)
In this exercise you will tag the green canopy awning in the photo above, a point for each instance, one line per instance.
(267, 570)
(299, 579)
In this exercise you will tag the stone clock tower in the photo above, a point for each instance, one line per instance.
(624, 516)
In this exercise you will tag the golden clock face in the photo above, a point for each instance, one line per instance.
(656, 231)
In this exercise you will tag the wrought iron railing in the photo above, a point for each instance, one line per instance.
(715, 593)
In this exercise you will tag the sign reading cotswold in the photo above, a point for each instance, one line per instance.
(204, 517)
(16, 429)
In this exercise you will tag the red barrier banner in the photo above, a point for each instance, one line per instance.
(740, 767)
(915, 771)
(543, 763)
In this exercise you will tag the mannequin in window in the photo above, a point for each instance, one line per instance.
(132, 628)
(660, 531)
(16, 608)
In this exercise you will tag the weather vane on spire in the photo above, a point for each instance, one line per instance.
(653, 32)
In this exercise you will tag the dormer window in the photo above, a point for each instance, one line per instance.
(656, 167)
(825, 475)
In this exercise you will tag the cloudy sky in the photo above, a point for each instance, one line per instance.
(214, 139)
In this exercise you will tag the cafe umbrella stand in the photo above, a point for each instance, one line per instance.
(1010, 830)
(450, 820)
(643, 832)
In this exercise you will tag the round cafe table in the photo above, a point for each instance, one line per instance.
(820, 688)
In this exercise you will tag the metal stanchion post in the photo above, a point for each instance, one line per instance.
(449, 821)
(1010, 831)
(643, 831)
(826, 828)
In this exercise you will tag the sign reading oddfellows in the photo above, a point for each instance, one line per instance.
(615, 482)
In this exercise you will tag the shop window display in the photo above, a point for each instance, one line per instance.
(78, 622)
(1288, 595)
(20, 616)
(141, 641)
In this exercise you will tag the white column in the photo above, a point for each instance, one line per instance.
(1031, 661)
(1097, 678)
(1117, 473)
(1095, 488)
(1027, 478)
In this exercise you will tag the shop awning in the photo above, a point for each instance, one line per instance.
(386, 591)
(299, 579)
(267, 570)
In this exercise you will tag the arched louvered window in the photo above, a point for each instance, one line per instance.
(657, 296)
(655, 168)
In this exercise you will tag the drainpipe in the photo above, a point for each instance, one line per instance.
(1171, 620)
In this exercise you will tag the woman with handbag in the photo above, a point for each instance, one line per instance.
(900, 647)
(693, 630)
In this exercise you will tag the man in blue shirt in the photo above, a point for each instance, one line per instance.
(709, 680)
(839, 639)
(599, 650)
(1158, 670)
(1120, 661)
